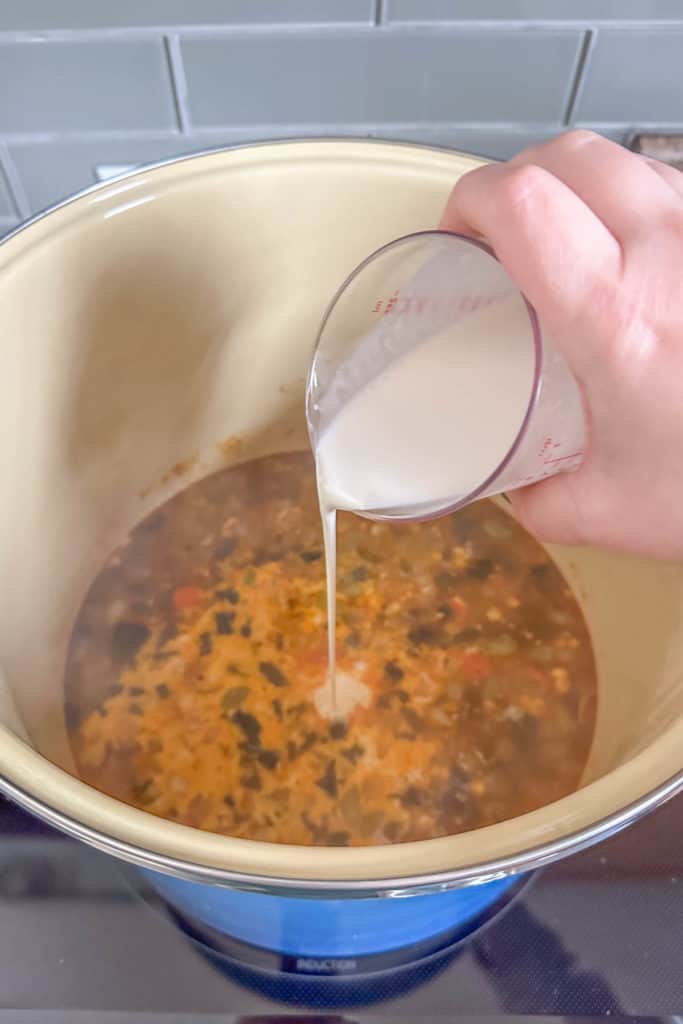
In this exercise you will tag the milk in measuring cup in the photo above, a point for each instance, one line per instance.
(435, 423)
(425, 431)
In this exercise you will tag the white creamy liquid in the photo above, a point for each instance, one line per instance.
(428, 429)
(329, 521)
(436, 422)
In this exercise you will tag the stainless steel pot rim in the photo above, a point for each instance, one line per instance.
(477, 874)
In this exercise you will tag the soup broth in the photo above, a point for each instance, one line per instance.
(196, 680)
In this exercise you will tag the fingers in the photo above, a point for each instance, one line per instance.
(558, 252)
(670, 175)
(560, 217)
(621, 188)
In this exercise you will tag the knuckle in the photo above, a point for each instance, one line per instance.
(519, 182)
(575, 139)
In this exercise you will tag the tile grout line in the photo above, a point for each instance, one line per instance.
(578, 82)
(273, 131)
(176, 70)
(14, 182)
(200, 31)
(219, 29)
(542, 24)
(98, 135)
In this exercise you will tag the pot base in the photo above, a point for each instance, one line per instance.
(329, 952)
(337, 979)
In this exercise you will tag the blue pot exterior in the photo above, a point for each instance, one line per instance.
(322, 928)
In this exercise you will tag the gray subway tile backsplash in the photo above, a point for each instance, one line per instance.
(634, 76)
(587, 11)
(379, 77)
(496, 143)
(91, 85)
(37, 15)
(87, 88)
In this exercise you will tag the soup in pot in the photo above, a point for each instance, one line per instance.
(196, 680)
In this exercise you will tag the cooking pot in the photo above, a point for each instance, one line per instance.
(158, 328)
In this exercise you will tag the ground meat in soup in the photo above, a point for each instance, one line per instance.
(197, 656)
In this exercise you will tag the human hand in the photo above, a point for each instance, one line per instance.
(593, 237)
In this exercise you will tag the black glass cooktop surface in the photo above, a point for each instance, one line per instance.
(598, 934)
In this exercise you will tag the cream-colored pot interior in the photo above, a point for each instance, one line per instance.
(168, 318)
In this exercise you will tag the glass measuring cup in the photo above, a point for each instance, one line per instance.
(433, 383)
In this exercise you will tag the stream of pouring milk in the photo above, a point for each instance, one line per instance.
(424, 432)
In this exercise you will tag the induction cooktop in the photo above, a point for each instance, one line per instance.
(598, 934)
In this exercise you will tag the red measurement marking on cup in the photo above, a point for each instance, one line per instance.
(563, 458)
(391, 303)
(418, 305)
